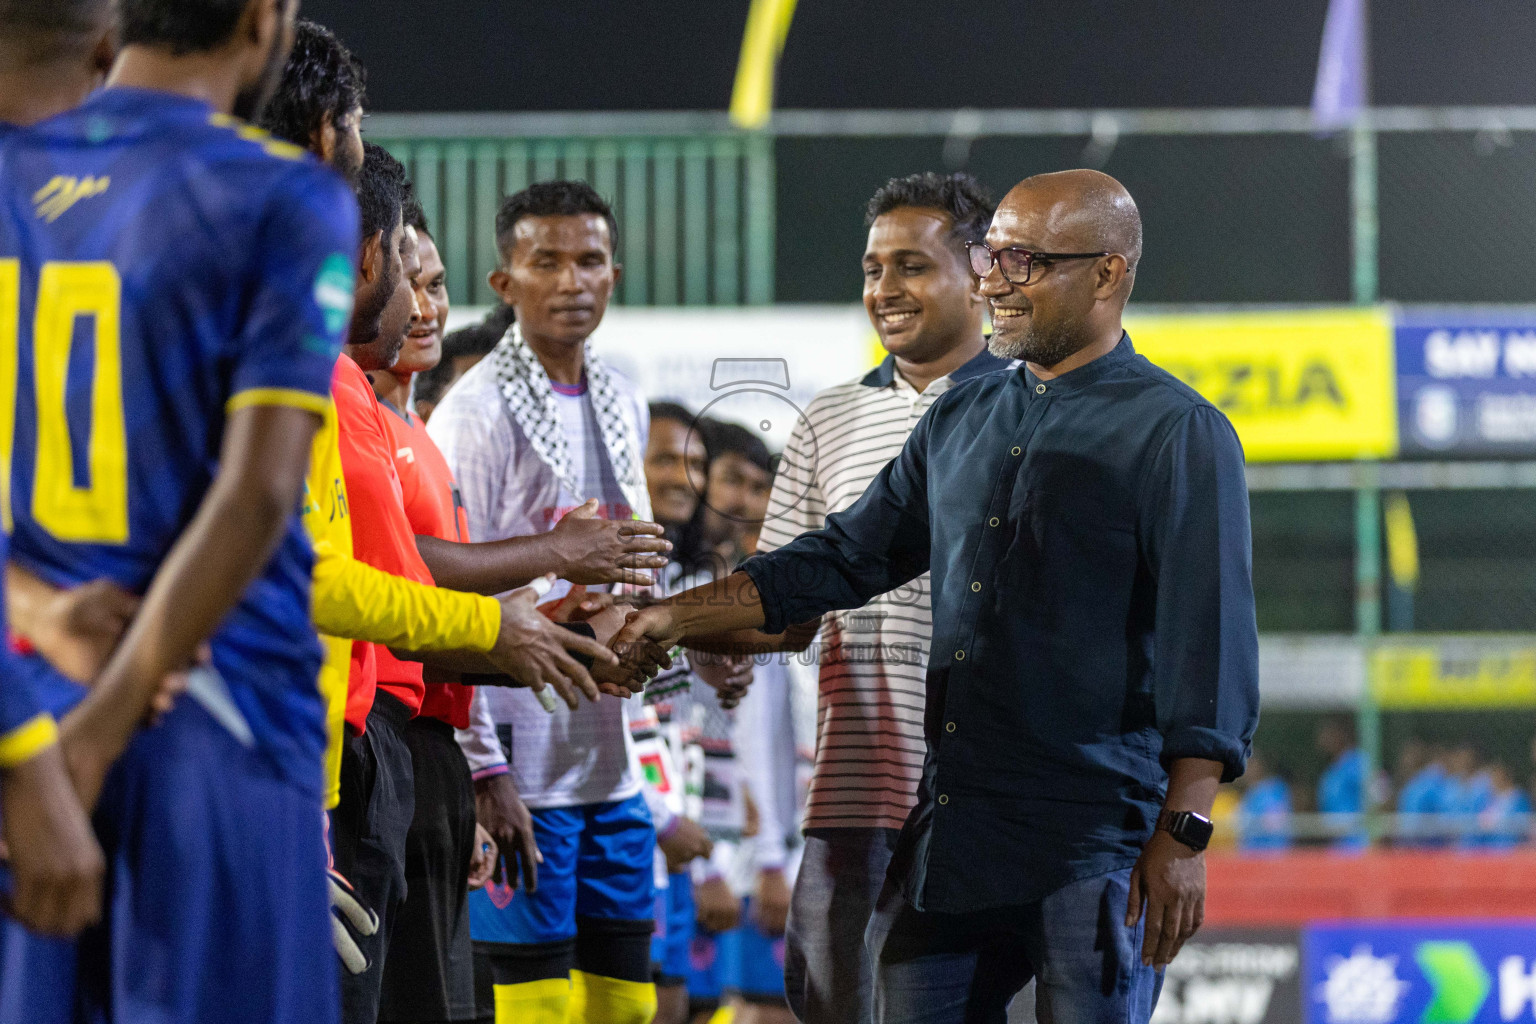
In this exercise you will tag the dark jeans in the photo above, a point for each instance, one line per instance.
(935, 968)
(368, 829)
(828, 975)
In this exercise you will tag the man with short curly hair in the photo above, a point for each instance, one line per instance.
(924, 305)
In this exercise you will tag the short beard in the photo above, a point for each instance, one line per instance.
(1042, 348)
(368, 317)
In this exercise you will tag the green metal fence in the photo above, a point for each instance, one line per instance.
(1242, 205)
(695, 212)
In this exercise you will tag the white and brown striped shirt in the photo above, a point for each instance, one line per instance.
(869, 727)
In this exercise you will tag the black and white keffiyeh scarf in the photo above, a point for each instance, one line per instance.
(530, 399)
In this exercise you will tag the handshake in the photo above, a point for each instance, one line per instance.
(585, 645)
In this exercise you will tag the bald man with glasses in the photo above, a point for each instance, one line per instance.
(1094, 668)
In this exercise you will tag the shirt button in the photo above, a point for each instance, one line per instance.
(1016, 450)
(993, 521)
(943, 798)
(949, 727)
(959, 655)
(976, 586)
(1039, 389)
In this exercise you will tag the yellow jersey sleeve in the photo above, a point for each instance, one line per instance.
(330, 531)
(354, 600)
(351, 600)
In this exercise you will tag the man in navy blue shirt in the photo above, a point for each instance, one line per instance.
(1094, 668)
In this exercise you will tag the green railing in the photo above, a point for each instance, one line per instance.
(695, 212)
(1271, 208)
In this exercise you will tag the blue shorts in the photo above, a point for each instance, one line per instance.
(217, 907)
(599, 862)
(760, 970)
(713, 964)
(37, 976)
(674, 929)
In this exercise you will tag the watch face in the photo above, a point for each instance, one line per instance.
(1191, 829)
(1197, 829)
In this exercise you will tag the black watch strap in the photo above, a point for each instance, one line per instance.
(1191, 829)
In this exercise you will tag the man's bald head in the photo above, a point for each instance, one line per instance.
(1067, 310)
(1082, 210)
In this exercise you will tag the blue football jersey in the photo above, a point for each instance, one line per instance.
(162, 265)
(24, 726)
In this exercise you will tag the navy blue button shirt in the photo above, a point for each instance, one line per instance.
(1093, 617)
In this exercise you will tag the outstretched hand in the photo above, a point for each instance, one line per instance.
(644, 644)
(594, 550)
(539, 653)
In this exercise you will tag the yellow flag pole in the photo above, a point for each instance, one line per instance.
(761, 44)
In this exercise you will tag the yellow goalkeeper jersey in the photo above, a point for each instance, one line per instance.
(352, 600)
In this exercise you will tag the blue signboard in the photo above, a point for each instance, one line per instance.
(1466, 382)
(1439, 972)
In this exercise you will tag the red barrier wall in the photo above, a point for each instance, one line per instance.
(1296, 887)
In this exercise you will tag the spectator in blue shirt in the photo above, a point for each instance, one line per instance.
(1264, 812)
(1341, 790)
(1504, 819)
(1424, 796)
(1469, 793)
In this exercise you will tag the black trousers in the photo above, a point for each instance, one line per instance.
(368, 831)
(429, 973)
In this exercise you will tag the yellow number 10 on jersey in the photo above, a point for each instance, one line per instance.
(98, 512)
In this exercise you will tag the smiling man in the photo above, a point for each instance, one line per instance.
(1094, 670)
(923, 302)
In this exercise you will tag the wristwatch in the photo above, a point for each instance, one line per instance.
(1191, 829)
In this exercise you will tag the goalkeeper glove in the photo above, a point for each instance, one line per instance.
(347, 910)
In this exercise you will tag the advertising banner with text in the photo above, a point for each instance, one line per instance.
(1467, 382)
(1234, 976)
(1298, 385)
(1442, 972)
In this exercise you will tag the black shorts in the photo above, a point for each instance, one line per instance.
(429, 974)
(368, 830)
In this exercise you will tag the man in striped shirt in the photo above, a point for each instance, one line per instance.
(924, 304)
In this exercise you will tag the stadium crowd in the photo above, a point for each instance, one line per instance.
(1440, 794)
(570, 769)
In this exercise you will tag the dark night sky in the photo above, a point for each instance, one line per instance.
(624, 54)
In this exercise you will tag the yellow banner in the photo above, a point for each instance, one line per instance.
(1299, 386)
(1425, 677)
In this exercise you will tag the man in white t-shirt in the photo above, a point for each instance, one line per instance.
(537, 429)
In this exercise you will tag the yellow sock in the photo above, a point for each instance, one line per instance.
(724, 1015)
(611, 1001)
(577, 1012)
(534, 1002)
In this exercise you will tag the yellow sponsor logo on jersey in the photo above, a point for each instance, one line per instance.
(54, 199)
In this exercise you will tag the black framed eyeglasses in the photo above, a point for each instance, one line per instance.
(1016, 263)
